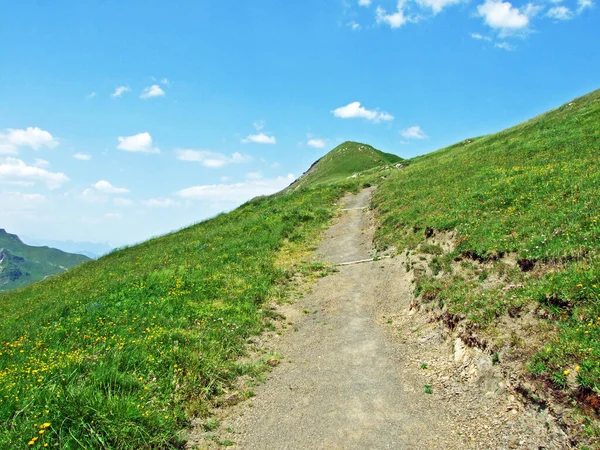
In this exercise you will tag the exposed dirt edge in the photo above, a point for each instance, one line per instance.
(537, 393)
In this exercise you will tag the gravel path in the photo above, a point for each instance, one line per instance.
(352, 374)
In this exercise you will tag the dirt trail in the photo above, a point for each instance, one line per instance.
(353, 376)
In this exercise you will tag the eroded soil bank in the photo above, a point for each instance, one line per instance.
(360, 370)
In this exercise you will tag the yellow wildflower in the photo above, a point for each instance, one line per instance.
(577, 368)
(567, 372)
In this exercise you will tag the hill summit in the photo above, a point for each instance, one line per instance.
(344, 161)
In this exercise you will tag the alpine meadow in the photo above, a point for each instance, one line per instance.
(328, 225)
(123, 351)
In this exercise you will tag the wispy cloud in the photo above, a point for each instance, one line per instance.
(119, 91)
(436, 6)
(480, 37)
(560, 13)
(209, 158)
(504, 46)
(354, 25)
(13, 169)
(159, 202)
(107, 188)
(414, 132)
(395, 19)
(82, 156)
(236, 192)
(259, 138)
(316, 143)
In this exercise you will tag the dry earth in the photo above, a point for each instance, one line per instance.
(360, 370)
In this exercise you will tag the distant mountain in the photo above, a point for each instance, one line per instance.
(22, 264)
(92, 250)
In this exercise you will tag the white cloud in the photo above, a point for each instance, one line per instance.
(19, 202)
(112, 216)
(165, 81)
(152, 91)
(90, 195)
(354, 25)
(15, 170)
(258, 125)
(237, 192)
(316, 143)
(159, 202)
(414, 132)
(141, 142)
(505, 17)
(364, 2)
(437, 6)
(209, 158)
(354, 110)
(560, 13)
(584, 4)
(17, 182)
(394, 20)
(120, 91)
(259, 138)
(254, 175)
(82, 156)
(107, 188)
(90, 96)
(122, 202)
(480, 37)
(41, 163)
(11, 139)
(504, 46)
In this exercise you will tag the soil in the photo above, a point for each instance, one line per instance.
(360, 369)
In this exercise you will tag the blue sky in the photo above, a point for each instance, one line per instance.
(124, 120)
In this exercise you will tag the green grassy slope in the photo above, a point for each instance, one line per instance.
(530, 193)
(122, 351)
(342, 162)
(22, 264)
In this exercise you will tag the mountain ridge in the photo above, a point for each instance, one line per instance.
(22, 264)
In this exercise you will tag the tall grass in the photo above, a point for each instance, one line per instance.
(120, 352)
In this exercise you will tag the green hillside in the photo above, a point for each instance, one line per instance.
(121, 352)
(344, 161)
(22, 264)
(524, 208)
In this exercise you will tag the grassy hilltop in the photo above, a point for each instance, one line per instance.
(122, 351)
(347, 159)
(22, 264)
